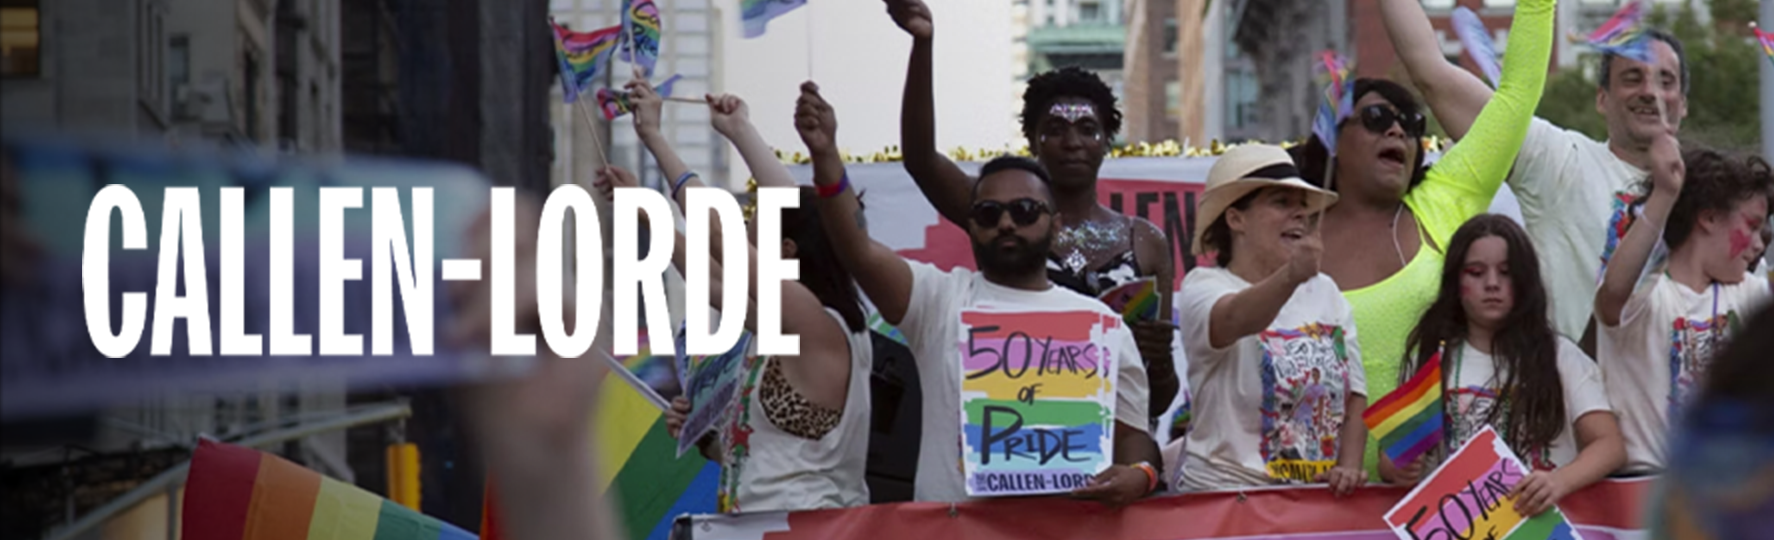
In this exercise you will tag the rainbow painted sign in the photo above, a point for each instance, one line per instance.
(1468, 497)
(1037, 400)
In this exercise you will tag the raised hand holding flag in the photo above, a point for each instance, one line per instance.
(1338, 101)
(1623, 34)
(1765, 39)
(1476, 39)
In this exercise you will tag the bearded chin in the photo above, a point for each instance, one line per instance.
(1025, 257)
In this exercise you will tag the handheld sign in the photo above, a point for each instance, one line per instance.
(1135, 300)
(713, 383)
(1037, 400)
(1469, 497)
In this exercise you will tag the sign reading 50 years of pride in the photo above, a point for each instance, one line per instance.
(1037, 400)
(1469, 497)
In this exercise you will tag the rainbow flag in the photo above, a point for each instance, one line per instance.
(638, 470)
(236, 493)
(1408, 421)
(1623, 34)
(640, 22)
(1135, 300)
(1765, 39)
(583, 56)
(1338, 102)
(1476, 39)
(755, 15)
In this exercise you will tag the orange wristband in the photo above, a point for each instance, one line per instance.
(1151, 475)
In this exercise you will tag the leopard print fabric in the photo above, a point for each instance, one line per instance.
(791, 412)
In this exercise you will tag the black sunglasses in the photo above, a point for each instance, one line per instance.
(1023, 212)
(1379, 118)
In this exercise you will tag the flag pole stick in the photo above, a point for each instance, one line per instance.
(591, 126)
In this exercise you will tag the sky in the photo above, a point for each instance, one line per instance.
(858, 57)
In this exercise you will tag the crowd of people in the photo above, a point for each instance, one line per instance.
(1581, 336)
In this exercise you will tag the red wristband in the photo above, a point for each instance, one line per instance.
(829, 191)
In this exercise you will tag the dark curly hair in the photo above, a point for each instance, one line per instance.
(1525, 346)
(1714, 182)
(1069, 81)
(1314, 159)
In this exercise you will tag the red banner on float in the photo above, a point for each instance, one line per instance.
(1608, 510)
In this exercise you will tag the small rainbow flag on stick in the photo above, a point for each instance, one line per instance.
(1339, 100)
(615, 103)
(583, 56)
(1623, 34)
(1765, 39)
(234, 492)
(1477, 41)
(1408, 421)
(1134, 300)
(640, 19)
(755, 15)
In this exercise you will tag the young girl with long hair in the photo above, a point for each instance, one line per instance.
(1504, 366)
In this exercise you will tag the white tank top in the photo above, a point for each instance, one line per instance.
(768, 469)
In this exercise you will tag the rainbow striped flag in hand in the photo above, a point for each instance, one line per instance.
(1408, 421)
(754, 15)
(615, 103)
(1476, 39)
(1338, 102)
(583, 57)
(641, 27)
(1765, 39)
(1623, 34)
(234, 492)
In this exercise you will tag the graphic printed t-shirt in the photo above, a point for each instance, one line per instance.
(1473, 388)
(1270, 407)
(1577, 199)
(1656, 359)
(932, 328)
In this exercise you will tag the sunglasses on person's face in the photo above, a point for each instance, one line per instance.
(1023, 212)
(1379, 118)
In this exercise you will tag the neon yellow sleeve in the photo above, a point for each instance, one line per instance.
(1463, 182)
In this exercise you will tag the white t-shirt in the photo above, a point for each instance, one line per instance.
(774, 470)
(932, 328)
(1472, 394)
(1654, 361)
(1273, 401)
(1575, 196)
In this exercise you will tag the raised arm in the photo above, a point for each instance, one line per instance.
(1463, 183)
(1668, 174)
(1253, 309)
(648, 107)
(1456, 95)
(732, 119)
(882, 274)
(947, 187)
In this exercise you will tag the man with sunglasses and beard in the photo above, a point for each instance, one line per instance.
(1012, 224)
(1578, 195)
(1069, 120)
(1384, 238)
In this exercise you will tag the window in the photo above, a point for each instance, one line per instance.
(150, 54)
(1090, 12)
(1170, 36)
(178, 64)
(20, 39)
(1438, 4)
(1173, 99)
(1499, 4)
(249, 68)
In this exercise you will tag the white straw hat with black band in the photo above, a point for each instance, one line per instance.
(1244, 170)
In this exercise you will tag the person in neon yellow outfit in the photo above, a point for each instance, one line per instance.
(1384, 239)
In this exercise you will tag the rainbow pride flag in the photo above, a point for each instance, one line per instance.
(641, 24)
(1338, 102)
(583, 56)
(638, 471)
(1408, 421)
(1476, 39)
(1765, 39)
(236, 493)
(755, 15)
(1623, 34)
(1135, 300)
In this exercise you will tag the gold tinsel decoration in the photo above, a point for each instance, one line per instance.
(1168, 148)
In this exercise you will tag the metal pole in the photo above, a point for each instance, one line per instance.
(1767, 23)
(174, 477)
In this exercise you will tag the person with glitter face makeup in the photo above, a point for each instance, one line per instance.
(1069, 119)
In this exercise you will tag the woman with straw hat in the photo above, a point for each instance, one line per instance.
(1279, 387)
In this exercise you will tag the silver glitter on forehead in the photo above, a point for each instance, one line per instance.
(1071, 112)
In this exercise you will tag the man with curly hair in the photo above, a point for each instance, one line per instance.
(1070, 119)
(1658, 332)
